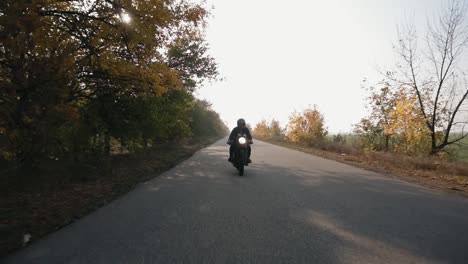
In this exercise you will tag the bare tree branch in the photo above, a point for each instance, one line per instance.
(441, 97)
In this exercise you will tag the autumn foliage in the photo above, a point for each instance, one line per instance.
(395, 122)
(407, 126)
(307, 126)
(75, 76)
(271, 129)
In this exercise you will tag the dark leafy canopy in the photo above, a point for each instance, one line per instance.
(76, 75)
(205, 121)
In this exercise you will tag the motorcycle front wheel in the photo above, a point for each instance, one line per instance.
(241, 162)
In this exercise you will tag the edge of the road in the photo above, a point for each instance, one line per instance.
(11, 250)
(432, 185)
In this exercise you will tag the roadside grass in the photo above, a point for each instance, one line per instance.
(436, 172)
(460, 150)
(38, 202)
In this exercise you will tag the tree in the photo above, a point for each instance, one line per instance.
(275, 128)
(71, 68)
(261, 129)
(265, 129)
(436, 73)
(339, 138)
(370, 134)
(381, 101)
(395, 122)
(307, 126)
(205, 121)
(407, 125)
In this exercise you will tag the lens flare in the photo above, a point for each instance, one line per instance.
(125, 18)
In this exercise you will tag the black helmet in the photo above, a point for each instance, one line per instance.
(241, 122)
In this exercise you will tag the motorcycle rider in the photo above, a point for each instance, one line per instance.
(240, 129)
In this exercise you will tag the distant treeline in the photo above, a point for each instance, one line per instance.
(78, 77)
(403, 131)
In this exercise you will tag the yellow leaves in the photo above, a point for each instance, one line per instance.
(164, 78)
(407, 125)
(297, 127)
(72, 58)
(307, 125)
(261, 129)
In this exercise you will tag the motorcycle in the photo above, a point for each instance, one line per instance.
(241, 153)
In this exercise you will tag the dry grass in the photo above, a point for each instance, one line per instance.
(341, 148)
(428, 164)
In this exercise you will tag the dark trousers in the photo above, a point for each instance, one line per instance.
(232, 147)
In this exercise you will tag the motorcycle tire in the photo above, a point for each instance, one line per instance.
(241, 162)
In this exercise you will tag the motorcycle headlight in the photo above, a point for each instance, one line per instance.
(242, 140)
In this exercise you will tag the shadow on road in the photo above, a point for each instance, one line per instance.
(288, 208)
(342, 212)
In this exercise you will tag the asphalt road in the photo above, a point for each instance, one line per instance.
(290, 207)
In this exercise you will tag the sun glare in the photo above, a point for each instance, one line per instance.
(125, 17)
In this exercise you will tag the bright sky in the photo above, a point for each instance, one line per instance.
(281, 56)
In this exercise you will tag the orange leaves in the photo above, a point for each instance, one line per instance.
(262, 129)
(407, 125)
(306, 126)
(396, 122)
(265, 129)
